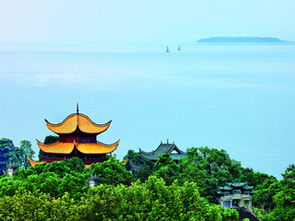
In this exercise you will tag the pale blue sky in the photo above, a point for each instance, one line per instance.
(143, 21)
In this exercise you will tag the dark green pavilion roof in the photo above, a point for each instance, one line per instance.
(172, 149)
(234, 185)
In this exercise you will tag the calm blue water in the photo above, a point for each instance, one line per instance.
(237, 97)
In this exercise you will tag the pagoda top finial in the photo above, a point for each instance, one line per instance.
(77, 108)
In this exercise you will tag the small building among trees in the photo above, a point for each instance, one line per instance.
(235, 195)
(135, 161)
(174, 152)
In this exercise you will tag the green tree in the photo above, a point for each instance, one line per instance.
(152, 200)
(285, 199)
(15, 156)
(253, 178)
(166, 168)
(6, 149)
(141, 167)
(50, 139)
(135, 157)
(54, 178)
(263, 197)
(37, 206)
(145, 171)
(230, 214)
(110, 172)
(26, 151)
(276, 198)
(209, 168)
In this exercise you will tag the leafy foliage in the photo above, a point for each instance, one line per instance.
(165, 190)
(26, 151)
(209, 168)
(14, 156)
(50, 139)
(110, 172)
(54, 179)
(152, 200)
(37, 206)
(167, 169)
(141, 167)
(284, 200)
(6, 147)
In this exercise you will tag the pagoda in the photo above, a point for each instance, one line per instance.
(77, 138)
(235, 195)
(174, 152)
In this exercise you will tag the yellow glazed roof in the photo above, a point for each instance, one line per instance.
(97, 148)
(77, 120)
(59, 148)
(86, 148)
(33, 163)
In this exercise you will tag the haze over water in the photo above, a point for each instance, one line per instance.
(238, 97)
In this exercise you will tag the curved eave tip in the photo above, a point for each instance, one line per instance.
(39, 142)
(33, 162)
(117, 142)
(115, 145)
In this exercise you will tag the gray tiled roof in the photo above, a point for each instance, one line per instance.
(230, 186)
(172, 149)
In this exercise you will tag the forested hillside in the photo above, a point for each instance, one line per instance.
(164, 190)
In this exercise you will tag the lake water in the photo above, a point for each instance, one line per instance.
(239, 97)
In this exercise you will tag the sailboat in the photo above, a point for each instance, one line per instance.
(167, 49)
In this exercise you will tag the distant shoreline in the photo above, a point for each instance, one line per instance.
(240, 40)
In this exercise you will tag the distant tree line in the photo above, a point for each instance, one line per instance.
(164, 190)
(11, 155)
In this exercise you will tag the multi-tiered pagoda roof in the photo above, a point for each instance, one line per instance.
(174, 152)
(77, 138)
